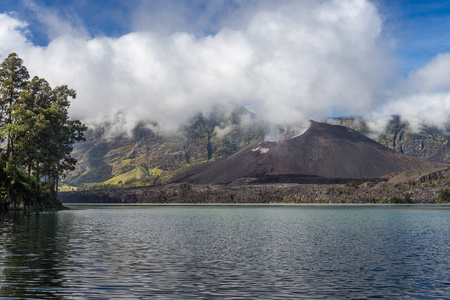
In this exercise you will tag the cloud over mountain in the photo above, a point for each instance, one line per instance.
(289, 62)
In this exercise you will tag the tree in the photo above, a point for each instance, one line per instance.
(55, 137)
(65, 133)
(444, 195)
(31, 119)
(13, 78)
(39, 135)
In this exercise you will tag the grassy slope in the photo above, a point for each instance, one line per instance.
(148, 158)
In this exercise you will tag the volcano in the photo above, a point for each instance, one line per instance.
(323, 151)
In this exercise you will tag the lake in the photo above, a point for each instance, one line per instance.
(227, 252)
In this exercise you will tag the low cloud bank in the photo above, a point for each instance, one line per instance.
(421, 99)
(288, 64)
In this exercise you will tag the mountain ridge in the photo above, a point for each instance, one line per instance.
(324, 150)
(150, 158)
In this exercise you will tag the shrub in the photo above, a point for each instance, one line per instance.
(444, 195)
(408, 198)
(352, 184)
(395, 199)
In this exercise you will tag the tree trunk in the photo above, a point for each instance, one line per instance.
(29, 171)
(36, 185)
(56, 181)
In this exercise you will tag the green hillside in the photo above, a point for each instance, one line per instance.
(150, 158)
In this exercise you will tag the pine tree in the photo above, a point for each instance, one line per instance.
(13, 79)
(32, 122)
(39, 135)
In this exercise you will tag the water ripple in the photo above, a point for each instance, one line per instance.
(226, 252)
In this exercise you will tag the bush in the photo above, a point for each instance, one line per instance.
(444, 195)
(408, 198)
(398, 199)
(352, 184)
(395, 199)
(373, 200)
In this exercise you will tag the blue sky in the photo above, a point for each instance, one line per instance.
(109, 17)
(288, 61)
(118, 17)
(420, 29)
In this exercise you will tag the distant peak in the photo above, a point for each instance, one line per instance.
(318, 124)
(315, 124)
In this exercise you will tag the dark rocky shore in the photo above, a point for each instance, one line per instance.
(416, 186)
(326, 164)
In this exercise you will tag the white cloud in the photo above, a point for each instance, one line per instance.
(12, 34)
(423, 98)
(288, 63)
(433, 77)
(419, 110)
(55, 25)
(423, 109)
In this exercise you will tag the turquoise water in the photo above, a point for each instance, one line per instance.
(227, 252)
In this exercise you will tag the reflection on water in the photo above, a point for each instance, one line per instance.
(311, 252)
(28, 254)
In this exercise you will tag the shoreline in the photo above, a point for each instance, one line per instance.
(72, 206)
(182, 193)
(423, 186)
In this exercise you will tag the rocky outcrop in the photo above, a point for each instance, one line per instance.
(405, 190)
(182, 193)
(428, 143)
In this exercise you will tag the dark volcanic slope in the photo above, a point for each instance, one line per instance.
(323, 150)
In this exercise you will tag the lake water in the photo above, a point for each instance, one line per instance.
(227, 252)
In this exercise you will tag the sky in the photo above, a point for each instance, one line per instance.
(288, 61)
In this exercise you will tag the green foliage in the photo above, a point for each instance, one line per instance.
(395, 199)
(38, 133)
(373, 200)
(135, 175)
(444, 195)
(355, 123)
(398, 200)
(408, 198)
(352, 184)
